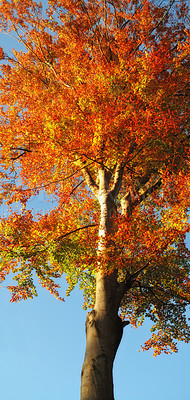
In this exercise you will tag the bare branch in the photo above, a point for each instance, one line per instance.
(75, 230)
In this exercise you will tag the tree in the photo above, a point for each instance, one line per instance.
(95, 111)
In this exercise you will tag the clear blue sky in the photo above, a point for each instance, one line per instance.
(42, 344)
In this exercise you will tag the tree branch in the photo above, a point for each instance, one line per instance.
(136, 274)
(126, 204)
(148, 191)
(24, 151)
(129, 201)
(156, 25)
(127, 284)
(88, 177)
(117, 180)
(119, 172)
(75, 230)
(96, 162)
(72, 191)
(172, 293)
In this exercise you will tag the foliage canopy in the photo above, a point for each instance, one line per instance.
(99, 86)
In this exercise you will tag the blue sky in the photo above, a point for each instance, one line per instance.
(42, 344)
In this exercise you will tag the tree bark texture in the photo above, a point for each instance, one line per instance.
(104, 328)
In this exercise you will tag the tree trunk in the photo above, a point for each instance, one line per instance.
(104, 330)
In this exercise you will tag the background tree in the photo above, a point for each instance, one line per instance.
(95, 111)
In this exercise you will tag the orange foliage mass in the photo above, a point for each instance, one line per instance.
(99, 85)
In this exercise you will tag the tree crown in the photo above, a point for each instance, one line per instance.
(100, 87)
